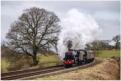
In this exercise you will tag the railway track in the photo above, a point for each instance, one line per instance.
(29, 72)
(33, 73)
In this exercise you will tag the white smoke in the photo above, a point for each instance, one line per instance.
(78, 27)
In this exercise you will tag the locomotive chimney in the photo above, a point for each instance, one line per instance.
(69, 44)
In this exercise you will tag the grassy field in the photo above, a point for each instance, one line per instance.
(107, 53)
(44, 61)
(47, 60)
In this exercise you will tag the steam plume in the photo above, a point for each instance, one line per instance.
(78, 27)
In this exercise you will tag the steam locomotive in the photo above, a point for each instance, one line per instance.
(78, 57)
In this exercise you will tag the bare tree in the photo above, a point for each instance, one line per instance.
(35, 30)
(97, 45)
(117, 40)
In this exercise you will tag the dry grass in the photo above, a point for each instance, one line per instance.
(107, 70)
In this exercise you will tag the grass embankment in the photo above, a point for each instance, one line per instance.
(23, 63)
(108, 53)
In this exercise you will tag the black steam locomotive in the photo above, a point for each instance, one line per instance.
(78, 57)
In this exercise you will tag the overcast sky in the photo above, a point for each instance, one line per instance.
(106, 13)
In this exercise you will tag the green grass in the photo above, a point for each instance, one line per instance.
(108, 53)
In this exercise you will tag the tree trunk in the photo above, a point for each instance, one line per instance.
(35, 61)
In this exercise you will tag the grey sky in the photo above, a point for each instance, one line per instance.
(106, 13)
